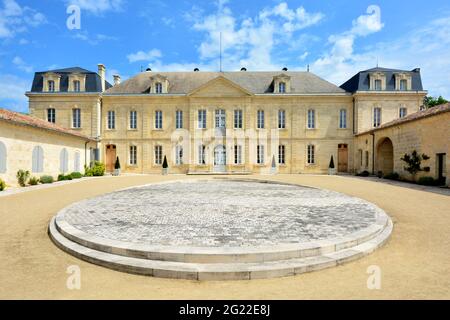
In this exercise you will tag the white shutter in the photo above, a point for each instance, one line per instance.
(2, 157)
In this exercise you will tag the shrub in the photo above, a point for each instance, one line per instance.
(63, 177)
(97, 170)
(22, 177)
(165, 165)
(427, 181)
(33, 181)
(46, 179)
(2, 185)
(363, 174)
(76, 175)
(392, 176)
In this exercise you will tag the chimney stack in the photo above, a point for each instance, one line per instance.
(116, 79)
(102, 74)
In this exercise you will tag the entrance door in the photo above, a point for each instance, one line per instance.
(220, 159)
(343, 158)
(440, 168)
(110, 157)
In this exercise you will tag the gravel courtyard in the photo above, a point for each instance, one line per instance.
(415, 263)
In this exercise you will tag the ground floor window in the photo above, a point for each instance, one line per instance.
(260, 154)
(367, 159)
(237, 154)
(133, 155)
(201, 154)
(311, 154)
(2, 157)
(179, 155)
(281, 154)
(37, 160)
(64, 161)
(360, 158)
(158, 155)
(76, 162)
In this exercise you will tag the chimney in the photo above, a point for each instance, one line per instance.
(116, 79)
(102, 74)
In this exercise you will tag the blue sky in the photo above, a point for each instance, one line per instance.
(337, 39)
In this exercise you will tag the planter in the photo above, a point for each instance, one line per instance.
(332, 171)
(116, 172)
(165, 171)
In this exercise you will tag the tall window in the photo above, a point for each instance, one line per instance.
(77, 162)
(260, 120)
(281, 119)
(403, 85)
(158, 119)
(179, 119)
(403, 112)
(282, 87)
(311, 154)
(343, 119)
(360, 157)
(133, 155)
(76, 86)
(111, 119)
(178, 155)
(158, 155)
(220, 118)
(237, 154)
(37, 161)
(377, 85)
(2, 157)
(158, 87)
(376, 117)
(51, 86)
(202, 119)
(367, 159)
(64, 161)
(51, 115)
(238, 119)
(260, 154)
(281, 154)
(311, 119)
(201, 154)
(76, 118)
(133, 120)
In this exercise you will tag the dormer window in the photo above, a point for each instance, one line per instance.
(76, 86)
(403, 81)
(281, 84)
(377, 85)
(159, 84)
(158, 87)
(403, 85)
(377, 81)
(51, 86)
(282, 87)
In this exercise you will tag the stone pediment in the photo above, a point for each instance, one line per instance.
(220, 87)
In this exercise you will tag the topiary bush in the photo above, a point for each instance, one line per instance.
(22, 177)
(427, 181)
(46, 179)
(76, 175)
(2, 185)
(33, 181)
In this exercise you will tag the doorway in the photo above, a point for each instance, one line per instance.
(440, 158)
(110, 157)
(220, 159)
(343, 158)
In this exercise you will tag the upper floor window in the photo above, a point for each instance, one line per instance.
(201, 154)
(260, 120)
(281, 119)
(51, 86)
(133, 155)
(51, 115)
(282, 87)
(237, 154)
(377, 83)
(220, 118)
(281, 154)
(403, 112)
(403, 85)
(179, 155)
(238, 119)
(76, 118)
(158, 87)
(260, 154)
(133, 120)
(111, 119)
(202, 119)
(158, 119)
(311, 156)
(343, 119)
(179, 119)
(76, 86)
(158, 155)
(37, 161)
(311, 119)
(376, 117)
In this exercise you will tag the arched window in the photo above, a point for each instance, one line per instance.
(2, 157)
(76, 162)
(64, 161)
(37, 160)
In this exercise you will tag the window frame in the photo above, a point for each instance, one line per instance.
(76, 85)
(238, 119)
(158, 120)
(37, 151)
(260, 159)
(282, 87)
(158, 88)
(237, 153)
(179, 155)
(133, 120)
(179, 119)
(202, 119)
(311, 119)
(311, 154)
(158, 154)
(201, 155)
(401, 83)
(51, 85)
(402, 112)
(111, 120)
(376, 114)
(132, 155)
(260, 119)
(281, 154)
(51, 115)
(343, 119)
(281, 119)
(76, 118)
(376, 87)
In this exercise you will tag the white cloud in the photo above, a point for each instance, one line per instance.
(16, 19)
(12, 92)
(149, 56)
(97, 6)
(22, 65)
(92, 39)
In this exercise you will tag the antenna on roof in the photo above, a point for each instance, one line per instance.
(307, 69)
(377, 61)
(220, 49)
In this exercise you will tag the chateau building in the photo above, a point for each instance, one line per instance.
(243, 122)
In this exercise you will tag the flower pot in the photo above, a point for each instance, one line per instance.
(165, 171)
(332, 171)
(116, 172)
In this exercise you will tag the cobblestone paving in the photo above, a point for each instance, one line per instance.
(221, 213)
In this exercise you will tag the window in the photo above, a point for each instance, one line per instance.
(403, 85)
(179, 119)
(158, 119)
(367, 159)
(260, 154)
(179, 155)
(111, 120)
(201, 154)
(376, 117)
(238, 119)
(37, 162)
(343, 119)
(158, 155)
(51, 115)
(282, 87)
(76, 86)
(377, 83)
(2, 157)
(311, 154)
(281, 119)
(158, 87)
(403, 112)
(260, 120)
(51, 86)
(64, 161)
(281, 154)
(311, 119)
(202, 119)
(133, 120)
(220, 119)
(133, 155)
(76, 118)
(76, 162)
(237, 154)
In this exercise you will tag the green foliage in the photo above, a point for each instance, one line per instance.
(431, 102)
(363, 174)
(33, 181)
(331, 166)
(165, 165)
(46, 179)
(22, 177)
(63, 177)
(392, 176)
(428, 181)
(414, 162)
(2, 185)
(97, 170)
(76, 175)
(117, 164)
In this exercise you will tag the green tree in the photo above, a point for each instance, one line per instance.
(414, 163)
(431, 102)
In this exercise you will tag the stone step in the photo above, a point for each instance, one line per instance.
(219, 271)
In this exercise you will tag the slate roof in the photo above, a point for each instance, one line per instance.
(413, 117)
(253, 82)
(360, 81)
(93, 81)
(22, 119)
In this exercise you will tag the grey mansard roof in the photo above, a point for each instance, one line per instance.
(360, 81)
(253, 82)
(93, 81)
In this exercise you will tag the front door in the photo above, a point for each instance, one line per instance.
(220, 159)
(110, 157)
(343, 158)
(440, 168)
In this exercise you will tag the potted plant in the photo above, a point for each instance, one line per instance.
(165, 166)
(117, 167)
(331, 167)
(273, 168)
